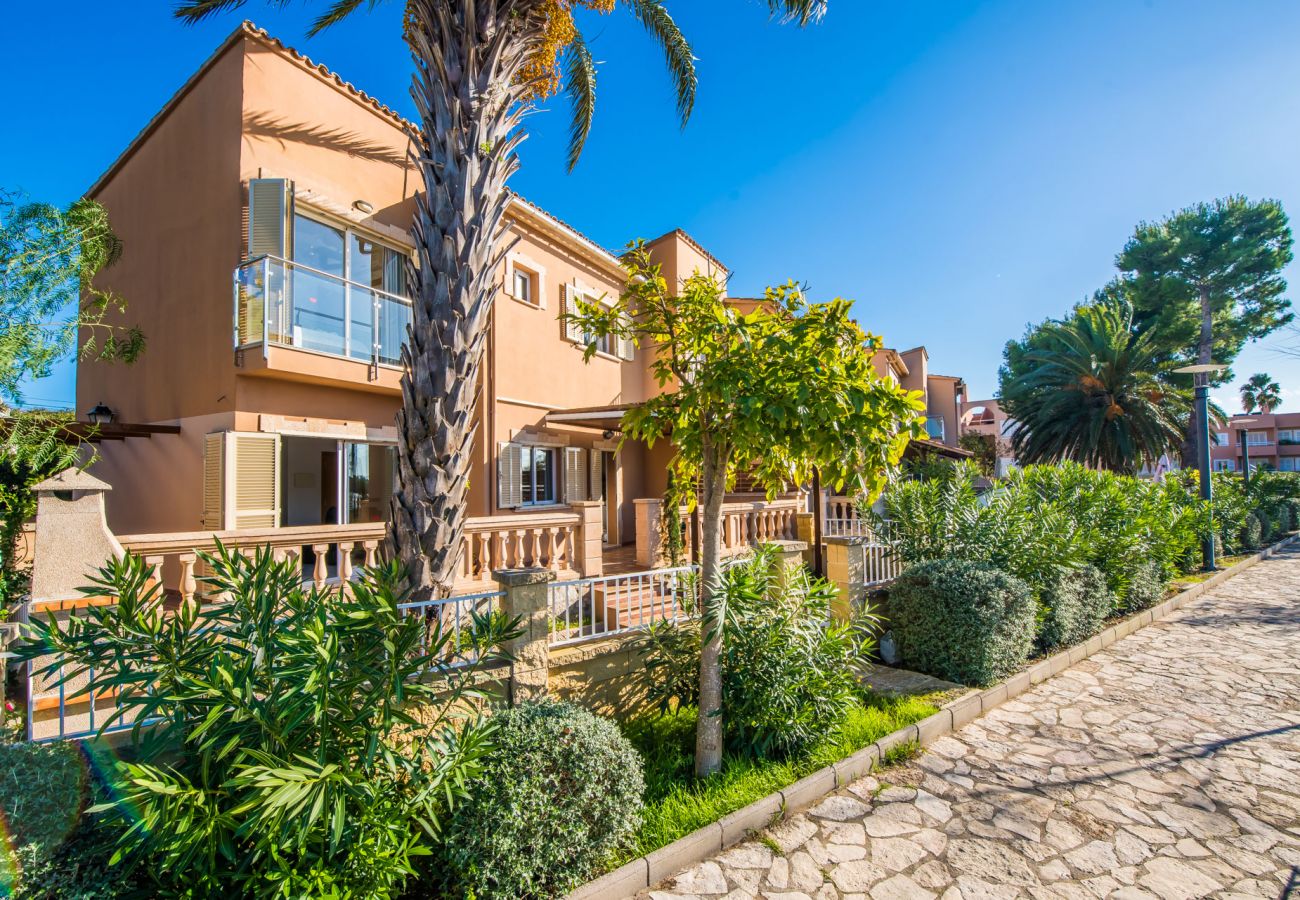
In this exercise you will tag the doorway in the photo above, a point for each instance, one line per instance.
(326, 481)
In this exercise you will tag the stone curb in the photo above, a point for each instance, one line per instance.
(647, 871)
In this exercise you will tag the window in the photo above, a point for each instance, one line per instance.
(1254, 438)
(537, 476)
(523, 287)
(1222, 439)
(1225, 465)
(1289, 436)
(934, 427)
(609, 344)
(1287, 464)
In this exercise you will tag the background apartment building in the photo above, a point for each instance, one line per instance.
(1271, 439)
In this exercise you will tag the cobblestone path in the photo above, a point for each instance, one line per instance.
(1166, 766)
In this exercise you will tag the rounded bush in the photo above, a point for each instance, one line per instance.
(1252, 535)
(559, 792)
(1146, 586)
(1074, 608)
(963, 621)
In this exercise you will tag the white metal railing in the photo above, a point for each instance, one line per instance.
(593, 608)
(278, 301)
(456, 616)
(879, 564)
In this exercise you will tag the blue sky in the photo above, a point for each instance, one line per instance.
(958, 169)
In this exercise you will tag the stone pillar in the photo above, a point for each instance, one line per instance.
(72, 535)
(527, 597)
(649, 532)
(846, 569)
(591, 543)
(789, 556)
(805, 531)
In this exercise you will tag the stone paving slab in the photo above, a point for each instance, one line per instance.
(1166, 766)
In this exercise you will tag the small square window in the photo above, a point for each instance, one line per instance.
(523, 286)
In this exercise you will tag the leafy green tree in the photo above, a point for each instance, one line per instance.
(480, 65)
(780, 391)
(304, 742)
(49, 258)
(1207, 279)
(1089, 388)
(1260, 392)
(985, 448)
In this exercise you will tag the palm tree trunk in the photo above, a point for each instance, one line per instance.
(467, 88)
(708, 731)
(1204, 349)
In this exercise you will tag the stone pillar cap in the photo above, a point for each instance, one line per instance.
(521, 577)
(792, 546)
(72, 479)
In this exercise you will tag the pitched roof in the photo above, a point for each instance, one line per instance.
(692, 242)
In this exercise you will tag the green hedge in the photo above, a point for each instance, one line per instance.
(558, 794)
(1073, 608)
(966, 622)
(1146, 587)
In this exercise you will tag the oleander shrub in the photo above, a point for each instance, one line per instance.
(307, 742)
(1073, 608)
(789, 673)
(963, 621)
(559, 793)
(1146, 587)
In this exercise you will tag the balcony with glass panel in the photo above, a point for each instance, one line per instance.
(286, 305)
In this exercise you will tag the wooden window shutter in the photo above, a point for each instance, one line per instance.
(268, 215)
(626, 349)
(575, 474)
(568, 293)
(596, 475)
(257, 480)
(214, 476)
(510, 476)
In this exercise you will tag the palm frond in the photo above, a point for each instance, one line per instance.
(802, 11)
(192, 11)
(337, 12)
(580, 88)
(677, 52)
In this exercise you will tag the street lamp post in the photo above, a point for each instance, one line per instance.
(1202, 374)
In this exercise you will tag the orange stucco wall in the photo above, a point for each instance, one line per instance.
(178, 200)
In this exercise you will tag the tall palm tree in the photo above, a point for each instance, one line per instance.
(1262, 393)
(1091, 391)
(479, 66)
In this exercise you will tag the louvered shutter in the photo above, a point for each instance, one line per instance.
(257, 480)
(575, 474)
(572, 332)
(596, 475)
(268, 216)
(510, 476)
(626, 349)
(214, 474)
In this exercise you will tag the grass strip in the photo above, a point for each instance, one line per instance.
(677, 803)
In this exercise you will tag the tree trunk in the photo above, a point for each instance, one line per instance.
(1204, 349)
(708, 731)
(468, 57)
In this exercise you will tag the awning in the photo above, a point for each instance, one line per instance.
(117, 431)
(603, 418)
(923, 447)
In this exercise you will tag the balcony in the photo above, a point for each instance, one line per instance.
(354, 331)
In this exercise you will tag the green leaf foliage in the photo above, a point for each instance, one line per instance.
(305, 742)
(789, 673)
(558, 794)
(42, 791)
(49, 258)
(1073, 608)
(963, 621)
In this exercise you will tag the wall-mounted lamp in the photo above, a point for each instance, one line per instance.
(607, 434)
(100, 415)
(363, 206)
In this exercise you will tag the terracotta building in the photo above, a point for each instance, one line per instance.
(1271, 440)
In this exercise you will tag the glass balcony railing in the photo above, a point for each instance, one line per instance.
(294, 305)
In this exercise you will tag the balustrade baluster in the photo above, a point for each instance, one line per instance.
(320, 571)
(187, 583)
(372, 552)
(345, 560)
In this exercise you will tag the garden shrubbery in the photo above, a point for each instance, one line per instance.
(1073, 607)
(964, 621)
(1087, 543)
(789, 674)
(557, 795)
